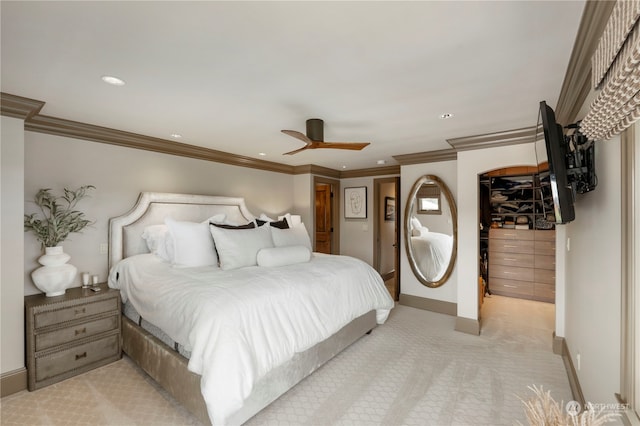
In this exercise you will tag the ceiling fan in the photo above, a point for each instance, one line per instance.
(315, 138)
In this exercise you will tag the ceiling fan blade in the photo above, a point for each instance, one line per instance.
(297, 150)
(298, 135)
(355, 146)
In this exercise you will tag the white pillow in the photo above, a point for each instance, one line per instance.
(218, 218)
(157, 238)
(192, 243)
(292, 220)
(294, 236)
(415, 223)
(238, 248)
(281, 256)
(420, 232)
(266, 218)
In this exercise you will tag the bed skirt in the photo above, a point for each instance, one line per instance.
(169, 369)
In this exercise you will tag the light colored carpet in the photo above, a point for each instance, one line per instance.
(413, 370)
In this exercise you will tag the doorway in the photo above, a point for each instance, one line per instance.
(386, 233)
(326, 235)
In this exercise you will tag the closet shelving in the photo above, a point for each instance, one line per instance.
(521, 201)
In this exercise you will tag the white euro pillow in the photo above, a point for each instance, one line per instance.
(192, 243)
(282, 256)
(157, 238)
(420, 232)
(415, 223)
(294, 236)
(238, 248)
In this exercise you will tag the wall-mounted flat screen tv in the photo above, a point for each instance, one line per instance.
(561, 187)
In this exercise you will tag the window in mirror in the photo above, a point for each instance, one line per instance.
(429, 199)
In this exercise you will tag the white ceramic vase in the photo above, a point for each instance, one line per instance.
(55, 275)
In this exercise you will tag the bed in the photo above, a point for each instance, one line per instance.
(226, 367)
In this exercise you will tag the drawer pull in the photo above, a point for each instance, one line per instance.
(81, 311)
(507, 245)
(511, 259)
(509, 272)
(80, 356)
(510, 286)
(81, 331)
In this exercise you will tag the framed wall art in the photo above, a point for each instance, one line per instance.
(389, 208)
(355, 202)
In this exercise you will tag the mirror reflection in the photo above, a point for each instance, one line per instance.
(431, 231)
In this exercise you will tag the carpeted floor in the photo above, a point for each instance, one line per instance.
(413, 370)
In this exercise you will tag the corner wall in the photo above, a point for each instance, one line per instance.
(593, 280)
(12, 243)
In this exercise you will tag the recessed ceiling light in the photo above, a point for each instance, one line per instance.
(115, 81)
(344, 167)
(381, 162)
(176, 135)
(262, 154)
(446, 115)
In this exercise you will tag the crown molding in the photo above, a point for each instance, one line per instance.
(491, 140)
(373, 171)
(577, 81)
(19, 107)
(28, 109)
(73, 129)
(426, 157)
(316, 170)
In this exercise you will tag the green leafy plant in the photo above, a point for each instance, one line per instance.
(59, 217)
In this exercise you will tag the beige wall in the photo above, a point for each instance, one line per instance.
(593, 280)
(119, 175)
(356, 235)
(12, 242)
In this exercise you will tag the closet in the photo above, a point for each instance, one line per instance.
(517, 236)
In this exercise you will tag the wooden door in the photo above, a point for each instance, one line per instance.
(323, 218)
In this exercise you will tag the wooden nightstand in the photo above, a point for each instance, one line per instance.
(71, 334)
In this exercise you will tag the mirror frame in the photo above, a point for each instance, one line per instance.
(407, 237)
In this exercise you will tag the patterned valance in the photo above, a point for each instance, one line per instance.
(616, 70)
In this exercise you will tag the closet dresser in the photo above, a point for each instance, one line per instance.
(522, 263)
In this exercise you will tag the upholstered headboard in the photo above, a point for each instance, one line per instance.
(125, 232)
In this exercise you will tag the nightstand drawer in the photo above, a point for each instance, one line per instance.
(56, 363)
(72, 333)
(44, 319)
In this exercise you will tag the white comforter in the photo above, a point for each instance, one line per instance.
(432, 251)
(240, 324)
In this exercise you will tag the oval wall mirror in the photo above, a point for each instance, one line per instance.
(431, 231)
